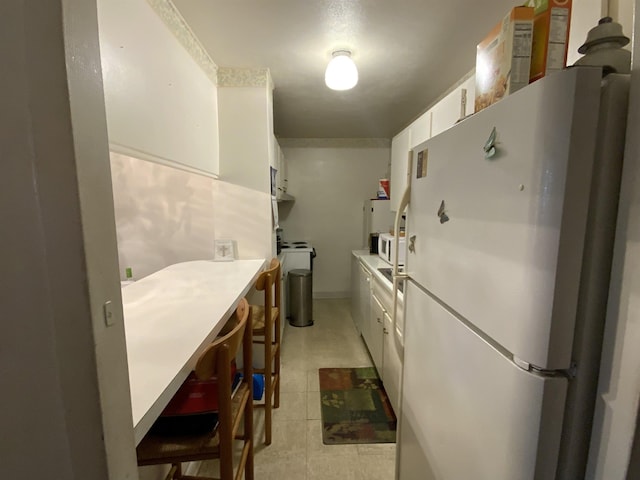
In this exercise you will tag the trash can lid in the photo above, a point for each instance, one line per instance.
(300, 272)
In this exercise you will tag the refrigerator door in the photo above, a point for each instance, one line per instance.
(468, 412)
(497, 221)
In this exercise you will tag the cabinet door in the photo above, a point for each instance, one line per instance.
(421, 129)
(375, 342)
(400, 147)
(365, 302)
(391, 363)
(355, 292)
(448, 111)
(284, 171)
(278, 167)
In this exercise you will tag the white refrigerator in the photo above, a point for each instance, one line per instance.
(510, 221)
(378, 218)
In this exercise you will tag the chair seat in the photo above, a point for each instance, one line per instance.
(256, 317)
(155, 449)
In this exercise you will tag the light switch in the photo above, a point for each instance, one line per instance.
(109, 316)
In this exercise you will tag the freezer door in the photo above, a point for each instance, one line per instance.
(497, 226)
(467, 411)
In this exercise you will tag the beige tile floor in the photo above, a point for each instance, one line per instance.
(297, 451)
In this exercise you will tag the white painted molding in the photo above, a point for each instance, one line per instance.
(244, 77)
(140, 155)
(169, 14)
(335, 142)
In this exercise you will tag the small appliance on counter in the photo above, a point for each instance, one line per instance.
(378, 218)
(387, 245)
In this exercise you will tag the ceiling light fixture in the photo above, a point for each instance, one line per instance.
(341, 73)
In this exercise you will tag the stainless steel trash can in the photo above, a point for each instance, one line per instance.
(300, 298)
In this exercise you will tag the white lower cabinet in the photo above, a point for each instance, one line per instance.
(375, 334)
(371, 308)
(355, 293)
(363, 323)
(392, 363)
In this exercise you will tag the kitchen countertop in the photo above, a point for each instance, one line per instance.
(373, 263)
(169, 318)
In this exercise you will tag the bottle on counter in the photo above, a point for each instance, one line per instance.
(128, 273)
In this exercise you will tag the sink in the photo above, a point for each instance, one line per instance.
(387, 273)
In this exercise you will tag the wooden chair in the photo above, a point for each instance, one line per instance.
(233, 409)
(265, 320)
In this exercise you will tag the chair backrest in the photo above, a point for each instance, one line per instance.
(269, 280)
(207, 365)
(269, 275)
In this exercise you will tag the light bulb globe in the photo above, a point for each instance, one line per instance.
(341, 73)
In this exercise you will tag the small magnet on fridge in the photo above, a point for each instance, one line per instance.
(490, 145)
(441, 213)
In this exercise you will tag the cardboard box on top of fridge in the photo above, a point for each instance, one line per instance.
(504, 58)
(550, 36)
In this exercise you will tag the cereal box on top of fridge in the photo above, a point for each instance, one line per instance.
(550, 36)
(504, 57)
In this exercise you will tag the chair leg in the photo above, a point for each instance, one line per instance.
(276, 355)
(268, 390)
(248, 438)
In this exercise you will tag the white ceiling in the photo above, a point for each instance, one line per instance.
(408, 53)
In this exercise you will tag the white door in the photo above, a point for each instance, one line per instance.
(499, 238)
(468, 412)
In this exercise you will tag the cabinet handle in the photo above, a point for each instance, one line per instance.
(385, 331)
(378, 319)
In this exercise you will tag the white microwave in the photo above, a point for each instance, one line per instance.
(386, 248)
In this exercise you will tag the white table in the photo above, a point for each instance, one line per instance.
(170, 317)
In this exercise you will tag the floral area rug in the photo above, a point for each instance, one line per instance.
(355, 407)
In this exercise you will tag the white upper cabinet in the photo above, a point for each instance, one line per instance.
(452, 108)
(439, 118)
(284, 171)
(281, 167)
(247, 143)
(421, 129)
(400, 151)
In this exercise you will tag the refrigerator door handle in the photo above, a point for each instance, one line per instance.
(524, 365)
(404, 201)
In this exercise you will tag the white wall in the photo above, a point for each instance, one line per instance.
(243, 214)
(330, 185)
(584, 16)
(163, 215)
(160, 103)
(65, 412)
